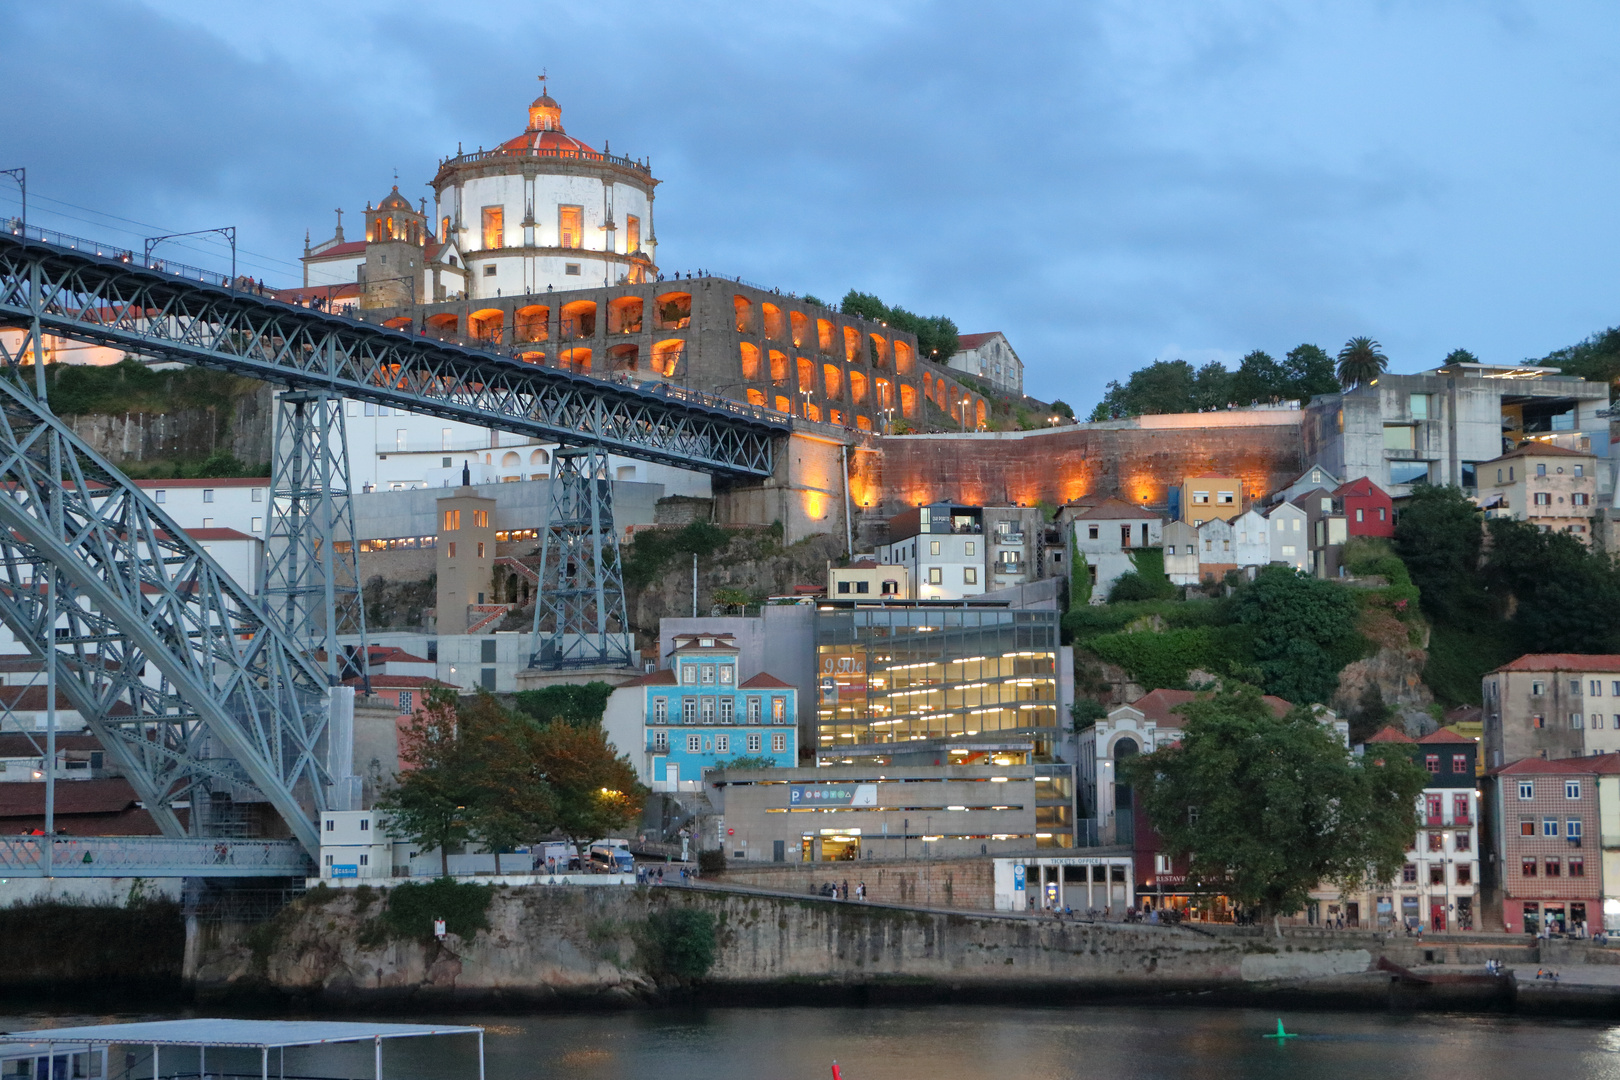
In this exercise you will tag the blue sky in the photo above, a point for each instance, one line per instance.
(1108, 183)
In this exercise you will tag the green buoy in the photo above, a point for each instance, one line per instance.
(1281, 1034)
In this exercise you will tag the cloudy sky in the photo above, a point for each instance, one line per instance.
(1107, 182)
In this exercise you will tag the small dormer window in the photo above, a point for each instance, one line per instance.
(707, 643)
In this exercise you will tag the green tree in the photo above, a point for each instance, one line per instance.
(1459, 356)
(1564, 595)
(936, 334)
(1267, 809)
(596, 792)
(1596, 358)
(1309, 372)
(1212, 387)
(1079, 577)
(1361, 361)
(1062, 408)
(1438, 536)
(1303, 631)
(508, 800)
(569, 702)
(1258, 379)
(1085, 712)
(430, 802)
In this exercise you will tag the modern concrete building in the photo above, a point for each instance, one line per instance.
(936, 684)
(1550, 487)
(1440, 425)
(1552, 705)
(845, 814)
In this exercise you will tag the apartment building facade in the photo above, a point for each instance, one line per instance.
(1552, 705)
(1543, 812)
(1548, 486)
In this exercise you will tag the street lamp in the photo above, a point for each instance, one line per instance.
(227, 231)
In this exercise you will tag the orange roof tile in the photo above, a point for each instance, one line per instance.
(1389, 733)
(1563, 662)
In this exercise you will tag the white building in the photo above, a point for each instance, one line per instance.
(1251, 543)
(942, 547)
(353, 846)
(990, 357)
(1109, 535)
(1290, 536)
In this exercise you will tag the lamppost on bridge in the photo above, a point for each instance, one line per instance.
(20, 175)
(227, 231)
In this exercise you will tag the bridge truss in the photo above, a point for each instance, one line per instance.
(100, 295)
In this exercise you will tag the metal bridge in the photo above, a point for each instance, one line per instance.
(100, 295)
(198, 692)
(151, 856)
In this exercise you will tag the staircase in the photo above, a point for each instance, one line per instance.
(481, 616)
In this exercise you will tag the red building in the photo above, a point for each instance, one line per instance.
(1367, 509)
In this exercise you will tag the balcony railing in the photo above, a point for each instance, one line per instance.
(1010, 538)
(1009, 567)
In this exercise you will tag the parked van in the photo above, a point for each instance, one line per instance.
(612, 857)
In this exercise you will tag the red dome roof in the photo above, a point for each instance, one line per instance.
(546, 140)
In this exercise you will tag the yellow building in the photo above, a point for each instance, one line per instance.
(867, 579)
(1204, 498)
(1548, 486)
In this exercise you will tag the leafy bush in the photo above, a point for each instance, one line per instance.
(680, 942)
(712, 861)
(651, 552)
(1085, 712)
(1160, 661)
(411, 909)
(569, 703)
(1459, 657)
(1304, 632)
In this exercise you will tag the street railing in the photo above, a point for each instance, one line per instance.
(152, 856)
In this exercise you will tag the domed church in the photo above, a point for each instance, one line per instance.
(542, 210)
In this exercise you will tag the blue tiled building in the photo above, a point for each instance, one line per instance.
(697, 715)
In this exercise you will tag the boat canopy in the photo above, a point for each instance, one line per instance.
(257, 1034)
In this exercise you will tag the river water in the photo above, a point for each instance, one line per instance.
(955, 1043)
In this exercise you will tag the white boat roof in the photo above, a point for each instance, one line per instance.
(259, 1034)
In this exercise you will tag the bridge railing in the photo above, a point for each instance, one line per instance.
(152, 856)
(15, 227)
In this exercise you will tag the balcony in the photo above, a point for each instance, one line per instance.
(1434, 821)
(1010, 538)
(1008, 568)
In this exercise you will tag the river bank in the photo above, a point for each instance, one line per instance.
(567, 947)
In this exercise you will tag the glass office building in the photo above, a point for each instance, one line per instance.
(909, 683)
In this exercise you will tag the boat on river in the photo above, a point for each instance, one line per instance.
(178, 1049)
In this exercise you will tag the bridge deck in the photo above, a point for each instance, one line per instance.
(101, 295)
(152, 857)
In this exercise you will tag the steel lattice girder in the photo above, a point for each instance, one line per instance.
(133, 589)
(307, 583)
(106, 301)
(581, 580)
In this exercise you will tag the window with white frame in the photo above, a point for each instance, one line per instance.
(660, 710)
(708, 710)
(1527, 789)
(661, 742)
(779, 743)
(689, 710)
(778, 710)
(722, 744)
(694, 744)
(708, 675)
(753, 710)
(689, 674)
(405, 701)
(727, 673)
(728, 708)
(754, 742)
(1572, 789)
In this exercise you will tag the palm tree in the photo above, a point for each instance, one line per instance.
(1361, 361)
